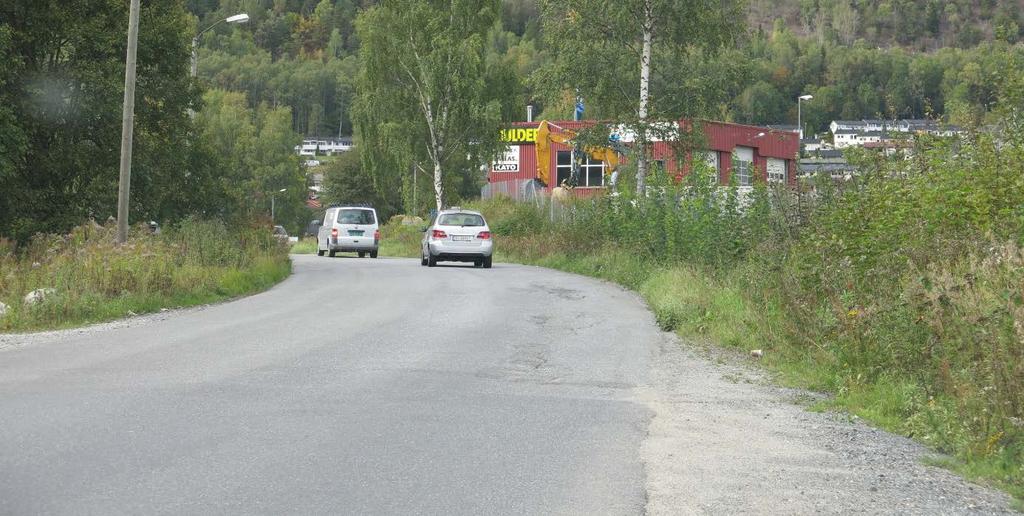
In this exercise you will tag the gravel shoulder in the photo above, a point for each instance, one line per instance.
(725, 441)
(10, 341)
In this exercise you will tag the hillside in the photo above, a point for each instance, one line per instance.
(913, 24)
(860, 59)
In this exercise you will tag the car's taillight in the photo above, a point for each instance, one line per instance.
(439, 234)
(376, 235)
(334, 232)
(484, 235)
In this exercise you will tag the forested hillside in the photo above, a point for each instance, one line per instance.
(915, 24)
(902, 58)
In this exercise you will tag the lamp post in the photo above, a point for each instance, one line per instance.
(272, 203)
(238, 18)
(799, 122)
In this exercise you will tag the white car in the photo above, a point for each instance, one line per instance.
(349, 229)
(457, 235)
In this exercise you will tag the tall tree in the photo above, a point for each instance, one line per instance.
(61, 92)
(256, 155)
(424, 85)
(612, 53)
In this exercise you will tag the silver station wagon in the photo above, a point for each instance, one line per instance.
(351, 229)
(457, 235)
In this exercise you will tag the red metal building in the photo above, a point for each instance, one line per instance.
(750, 152)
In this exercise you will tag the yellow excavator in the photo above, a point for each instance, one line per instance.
(545, 137)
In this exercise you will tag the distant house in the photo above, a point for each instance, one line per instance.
(812, 144)
(859, 133)
(871, 137)
(783, 127)
(836, 168)
(844, 138)
(828, 153)
(878, 125)
(847, 125)
(328, 146)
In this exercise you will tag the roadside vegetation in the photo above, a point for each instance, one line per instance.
(401, 236)
(900, 292)
(83, 277)
(307, 245)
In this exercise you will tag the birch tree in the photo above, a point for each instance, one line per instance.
(629, 58)
(424, 94)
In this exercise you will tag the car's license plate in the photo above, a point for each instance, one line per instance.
(462, 238)
(355, 233)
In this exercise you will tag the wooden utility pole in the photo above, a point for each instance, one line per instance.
(127, 124)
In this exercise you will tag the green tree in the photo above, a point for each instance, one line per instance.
(761, 103)
(256, 156)
(612, 53)
(61, 87)
(425, 86)
(347, 182)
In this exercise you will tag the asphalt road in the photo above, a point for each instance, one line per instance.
(382, 387)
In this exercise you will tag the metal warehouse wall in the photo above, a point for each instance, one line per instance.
(721, 137)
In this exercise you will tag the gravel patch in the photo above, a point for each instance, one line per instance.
(725, 441)
(19, 340)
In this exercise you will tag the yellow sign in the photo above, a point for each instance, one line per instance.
(519, 135)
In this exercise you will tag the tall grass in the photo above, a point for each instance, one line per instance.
(92, 279)
(306, 245)
(901, 292)
(401, 236)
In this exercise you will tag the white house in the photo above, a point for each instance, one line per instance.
(845, 138)
(848, 133)
(847, 125)
(328, 146)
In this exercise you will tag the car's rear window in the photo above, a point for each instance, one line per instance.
(355, 217)
(462, 219)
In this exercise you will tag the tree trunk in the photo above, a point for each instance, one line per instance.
(645, 79)
(438, 185)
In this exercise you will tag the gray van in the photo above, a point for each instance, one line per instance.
(352, 229)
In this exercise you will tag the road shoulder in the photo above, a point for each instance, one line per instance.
(723, 440)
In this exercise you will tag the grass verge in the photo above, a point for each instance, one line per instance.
(87, 278)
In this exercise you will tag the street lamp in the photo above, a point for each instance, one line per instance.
(799, 122)
(238, 18)
(272, 203)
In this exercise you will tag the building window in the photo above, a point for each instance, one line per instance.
(711, 158)
(591, 170)
(744, 173)
(743, 165)
(776, 170)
